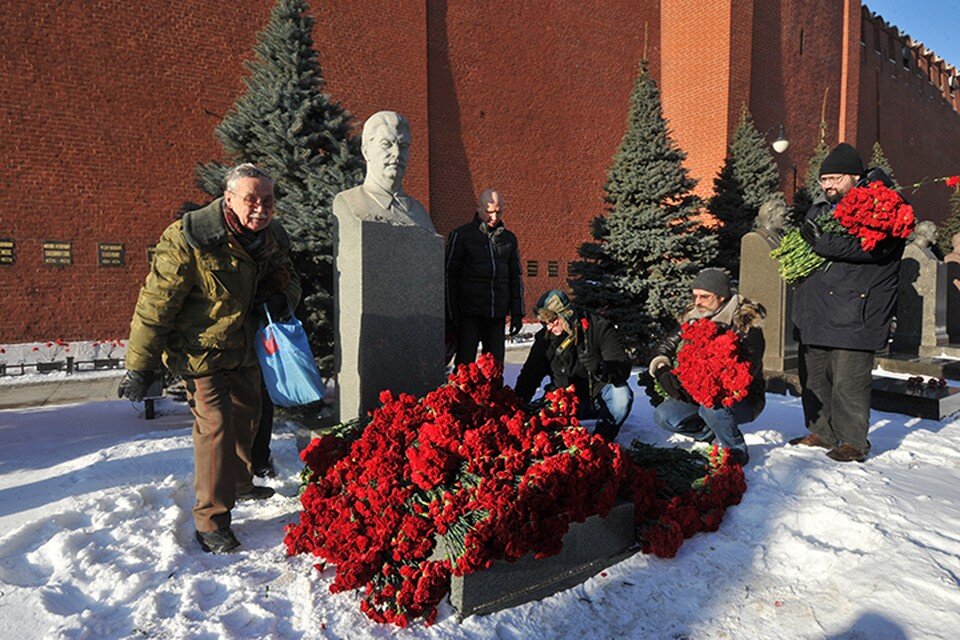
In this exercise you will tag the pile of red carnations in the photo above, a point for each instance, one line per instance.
(451, 483)
(710, 366)
(874, 213)
(680, 493)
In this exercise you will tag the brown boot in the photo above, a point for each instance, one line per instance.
(846, 453)
(811, 440)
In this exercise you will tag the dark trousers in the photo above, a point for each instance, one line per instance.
(226, 410)
(474, 330)
(836, 394)
(260, 452)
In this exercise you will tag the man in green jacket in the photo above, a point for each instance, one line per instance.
(197, 314)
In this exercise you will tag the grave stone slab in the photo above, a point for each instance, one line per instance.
(894, 395)
(389, 312)
(761, 282)
(953, 301)
(588, 548)
(921, 303)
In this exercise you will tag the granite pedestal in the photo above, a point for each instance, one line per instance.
(588, 548)
(897, 396)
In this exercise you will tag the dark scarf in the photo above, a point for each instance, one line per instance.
(253, 242)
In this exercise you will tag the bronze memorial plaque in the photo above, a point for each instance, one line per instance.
(57, 253)
(8, 254)
(110, 254)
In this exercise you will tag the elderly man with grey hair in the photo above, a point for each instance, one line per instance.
(196, 315)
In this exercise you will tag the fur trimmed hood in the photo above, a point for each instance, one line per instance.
(739, 313)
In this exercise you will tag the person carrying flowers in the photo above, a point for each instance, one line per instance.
(584, 350)
(711, 367)
(843, 309)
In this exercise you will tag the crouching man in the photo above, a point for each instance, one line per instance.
(584, 350)
(713, 299)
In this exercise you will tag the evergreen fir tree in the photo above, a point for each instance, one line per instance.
(803, 199)
(749, 176)
(951, 226)
(650, 244)
(878, 160)
(287, 125)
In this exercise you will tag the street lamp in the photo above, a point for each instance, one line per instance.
(781, 143)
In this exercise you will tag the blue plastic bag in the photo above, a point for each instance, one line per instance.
(289, 372)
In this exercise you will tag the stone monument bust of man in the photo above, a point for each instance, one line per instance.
(772, 219)
(385, 144)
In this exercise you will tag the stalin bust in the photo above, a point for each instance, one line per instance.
(385, 145)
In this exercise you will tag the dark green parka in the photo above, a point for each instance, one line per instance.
(194, 310)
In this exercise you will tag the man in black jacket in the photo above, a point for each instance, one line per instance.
(712, 298)
(484, 283)
(585, 350)
(842, 313)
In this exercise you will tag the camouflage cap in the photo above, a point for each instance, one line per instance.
(552, 304)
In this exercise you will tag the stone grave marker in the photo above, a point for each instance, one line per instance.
(388, 285)
(921, 303)
(588, 548)
(761, 282)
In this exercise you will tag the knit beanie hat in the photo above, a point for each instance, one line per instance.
(552, 304)
(714, 280)
(843, 159)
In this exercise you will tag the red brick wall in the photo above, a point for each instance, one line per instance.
(108, 106)
(797, 75)
(697, 81)
(532, 97)
(914, 119)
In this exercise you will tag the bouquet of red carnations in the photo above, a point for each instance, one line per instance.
(872, 213)
(466, 476)
(448, 485)
(710, 366)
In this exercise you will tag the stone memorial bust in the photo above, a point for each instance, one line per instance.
(772, 219)
(385, 144)
(924, 235)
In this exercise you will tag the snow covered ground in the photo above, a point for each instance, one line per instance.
(96, 541)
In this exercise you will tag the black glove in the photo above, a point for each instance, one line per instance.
(589, 361)
(810, 232)
(670, 383)
(276, 303)
(135, 384)
(516, 324)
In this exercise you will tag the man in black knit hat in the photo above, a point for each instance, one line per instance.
(842, 313)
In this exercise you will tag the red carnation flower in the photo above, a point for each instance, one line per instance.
(953, 181)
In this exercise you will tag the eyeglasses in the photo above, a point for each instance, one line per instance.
(832, 179)
(252, 201)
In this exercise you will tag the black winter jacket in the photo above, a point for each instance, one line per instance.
(742, 315)
(483, 272)
(848, 303)
(588, 360)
